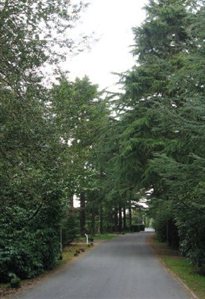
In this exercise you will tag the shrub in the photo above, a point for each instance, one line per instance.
(28, 254)
(137, 227)
(70, 229)
(15, 281)
(165, 225)
(192, 238)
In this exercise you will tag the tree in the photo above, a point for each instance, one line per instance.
(32, 196)
(79, 114)
(162, 140)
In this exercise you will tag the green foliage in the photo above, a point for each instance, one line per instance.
(22, 255)
(80, 114)
(15, 281)
(33, 188)
(161, 218)
(70, 228)
(137, 227)
(60, 142)
(160, 127)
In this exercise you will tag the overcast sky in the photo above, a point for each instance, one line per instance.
(112, 22)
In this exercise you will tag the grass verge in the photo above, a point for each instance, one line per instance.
(181, 267)
(72, 251)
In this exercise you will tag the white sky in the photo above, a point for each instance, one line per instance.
(112, 22)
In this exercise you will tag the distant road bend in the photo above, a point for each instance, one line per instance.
(124, 268)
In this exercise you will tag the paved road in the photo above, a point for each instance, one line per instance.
(124, 268)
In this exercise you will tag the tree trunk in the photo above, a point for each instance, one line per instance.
(115, 220)
(124, 219)
(120, 219)
(130, 215)
(101, 219)
(82, 214)
(93, 222)
(172, 234)
(110, 225)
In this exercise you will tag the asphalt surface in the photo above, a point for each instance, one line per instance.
(124, 268)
